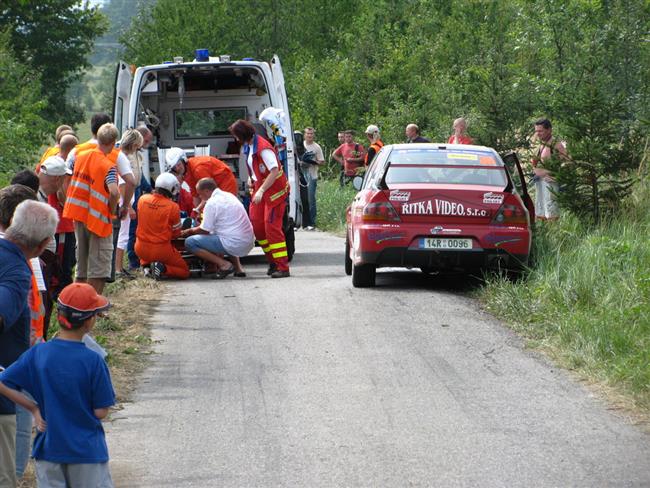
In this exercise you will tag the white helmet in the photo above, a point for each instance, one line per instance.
(169, 182)
(372, 129)
(173, 156)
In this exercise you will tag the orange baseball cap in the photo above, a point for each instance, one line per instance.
(78, 302)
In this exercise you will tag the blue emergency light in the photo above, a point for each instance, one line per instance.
(202, 55)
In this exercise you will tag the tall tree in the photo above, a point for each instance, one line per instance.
(54, 38)
(21, 127)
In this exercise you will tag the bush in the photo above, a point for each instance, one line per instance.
(332, 200)
(588, 298)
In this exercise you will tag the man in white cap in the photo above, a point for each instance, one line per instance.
(51, 176)
(372, 133)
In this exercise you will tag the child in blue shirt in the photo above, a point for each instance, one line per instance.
(73, 392)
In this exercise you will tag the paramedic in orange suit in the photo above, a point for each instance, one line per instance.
(198, 167)
(159, 221)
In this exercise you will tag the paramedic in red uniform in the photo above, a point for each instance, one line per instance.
(268, 202)
(198, 167)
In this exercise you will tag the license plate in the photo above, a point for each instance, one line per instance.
(442, 243)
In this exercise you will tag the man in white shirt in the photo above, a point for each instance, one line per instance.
(311, 175)
(224, 230)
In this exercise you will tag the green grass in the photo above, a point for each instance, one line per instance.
(587, 299)
(331, 201)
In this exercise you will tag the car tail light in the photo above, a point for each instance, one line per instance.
(510, 214)
(380, 212)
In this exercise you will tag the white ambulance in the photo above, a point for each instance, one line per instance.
(191, 105)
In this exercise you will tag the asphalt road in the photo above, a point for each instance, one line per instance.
(308, 382)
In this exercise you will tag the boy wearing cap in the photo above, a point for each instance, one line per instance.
(73, 391)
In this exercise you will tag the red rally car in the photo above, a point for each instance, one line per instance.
(439, 207)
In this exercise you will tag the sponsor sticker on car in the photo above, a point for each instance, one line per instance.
(493, 198)
(442, 207)
(399, 196)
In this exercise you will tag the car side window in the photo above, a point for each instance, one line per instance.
(375, 171)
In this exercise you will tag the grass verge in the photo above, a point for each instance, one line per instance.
(587, 300)
(331, 201)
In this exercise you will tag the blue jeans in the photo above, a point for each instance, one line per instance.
(142, 188)
(206, 242)
(23, 439)
(311, 195)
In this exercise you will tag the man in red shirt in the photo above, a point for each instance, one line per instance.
(350, 155)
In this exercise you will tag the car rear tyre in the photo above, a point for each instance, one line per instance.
(363, 275)
(348, 261)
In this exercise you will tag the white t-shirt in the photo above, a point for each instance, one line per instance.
(225, 216)
(123, 163)
(268, 156)
(318, 152)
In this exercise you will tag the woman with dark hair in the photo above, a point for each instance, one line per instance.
(268, 202)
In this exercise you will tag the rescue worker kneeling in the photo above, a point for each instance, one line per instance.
(225, 229)
(159, 221)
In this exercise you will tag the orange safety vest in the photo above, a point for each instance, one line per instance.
(377, 145)
(36, 308)
(89, 145)
(88, 199)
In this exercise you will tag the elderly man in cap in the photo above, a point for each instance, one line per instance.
(31, 229)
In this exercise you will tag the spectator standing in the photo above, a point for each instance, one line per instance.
(56, 149)
(10, 197)
(52, 175)
(91, 201)
(72, 389)
(115, 156)
(141, 189)
(546, 188)
(412, 133)
(159, 223)
(31, 229)
(350, 155)
(225, 229)
(130, 145)
(27, 178)
(64, 238)
(311, 175)
(372, 133)
(269, 198)
(460, 133)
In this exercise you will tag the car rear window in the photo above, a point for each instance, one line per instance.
(445, 167)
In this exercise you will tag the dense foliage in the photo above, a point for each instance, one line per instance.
(22, 129)
(53, 38)
(584, 64)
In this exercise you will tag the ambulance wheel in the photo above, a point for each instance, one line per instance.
(348, 261)
(363, 275)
